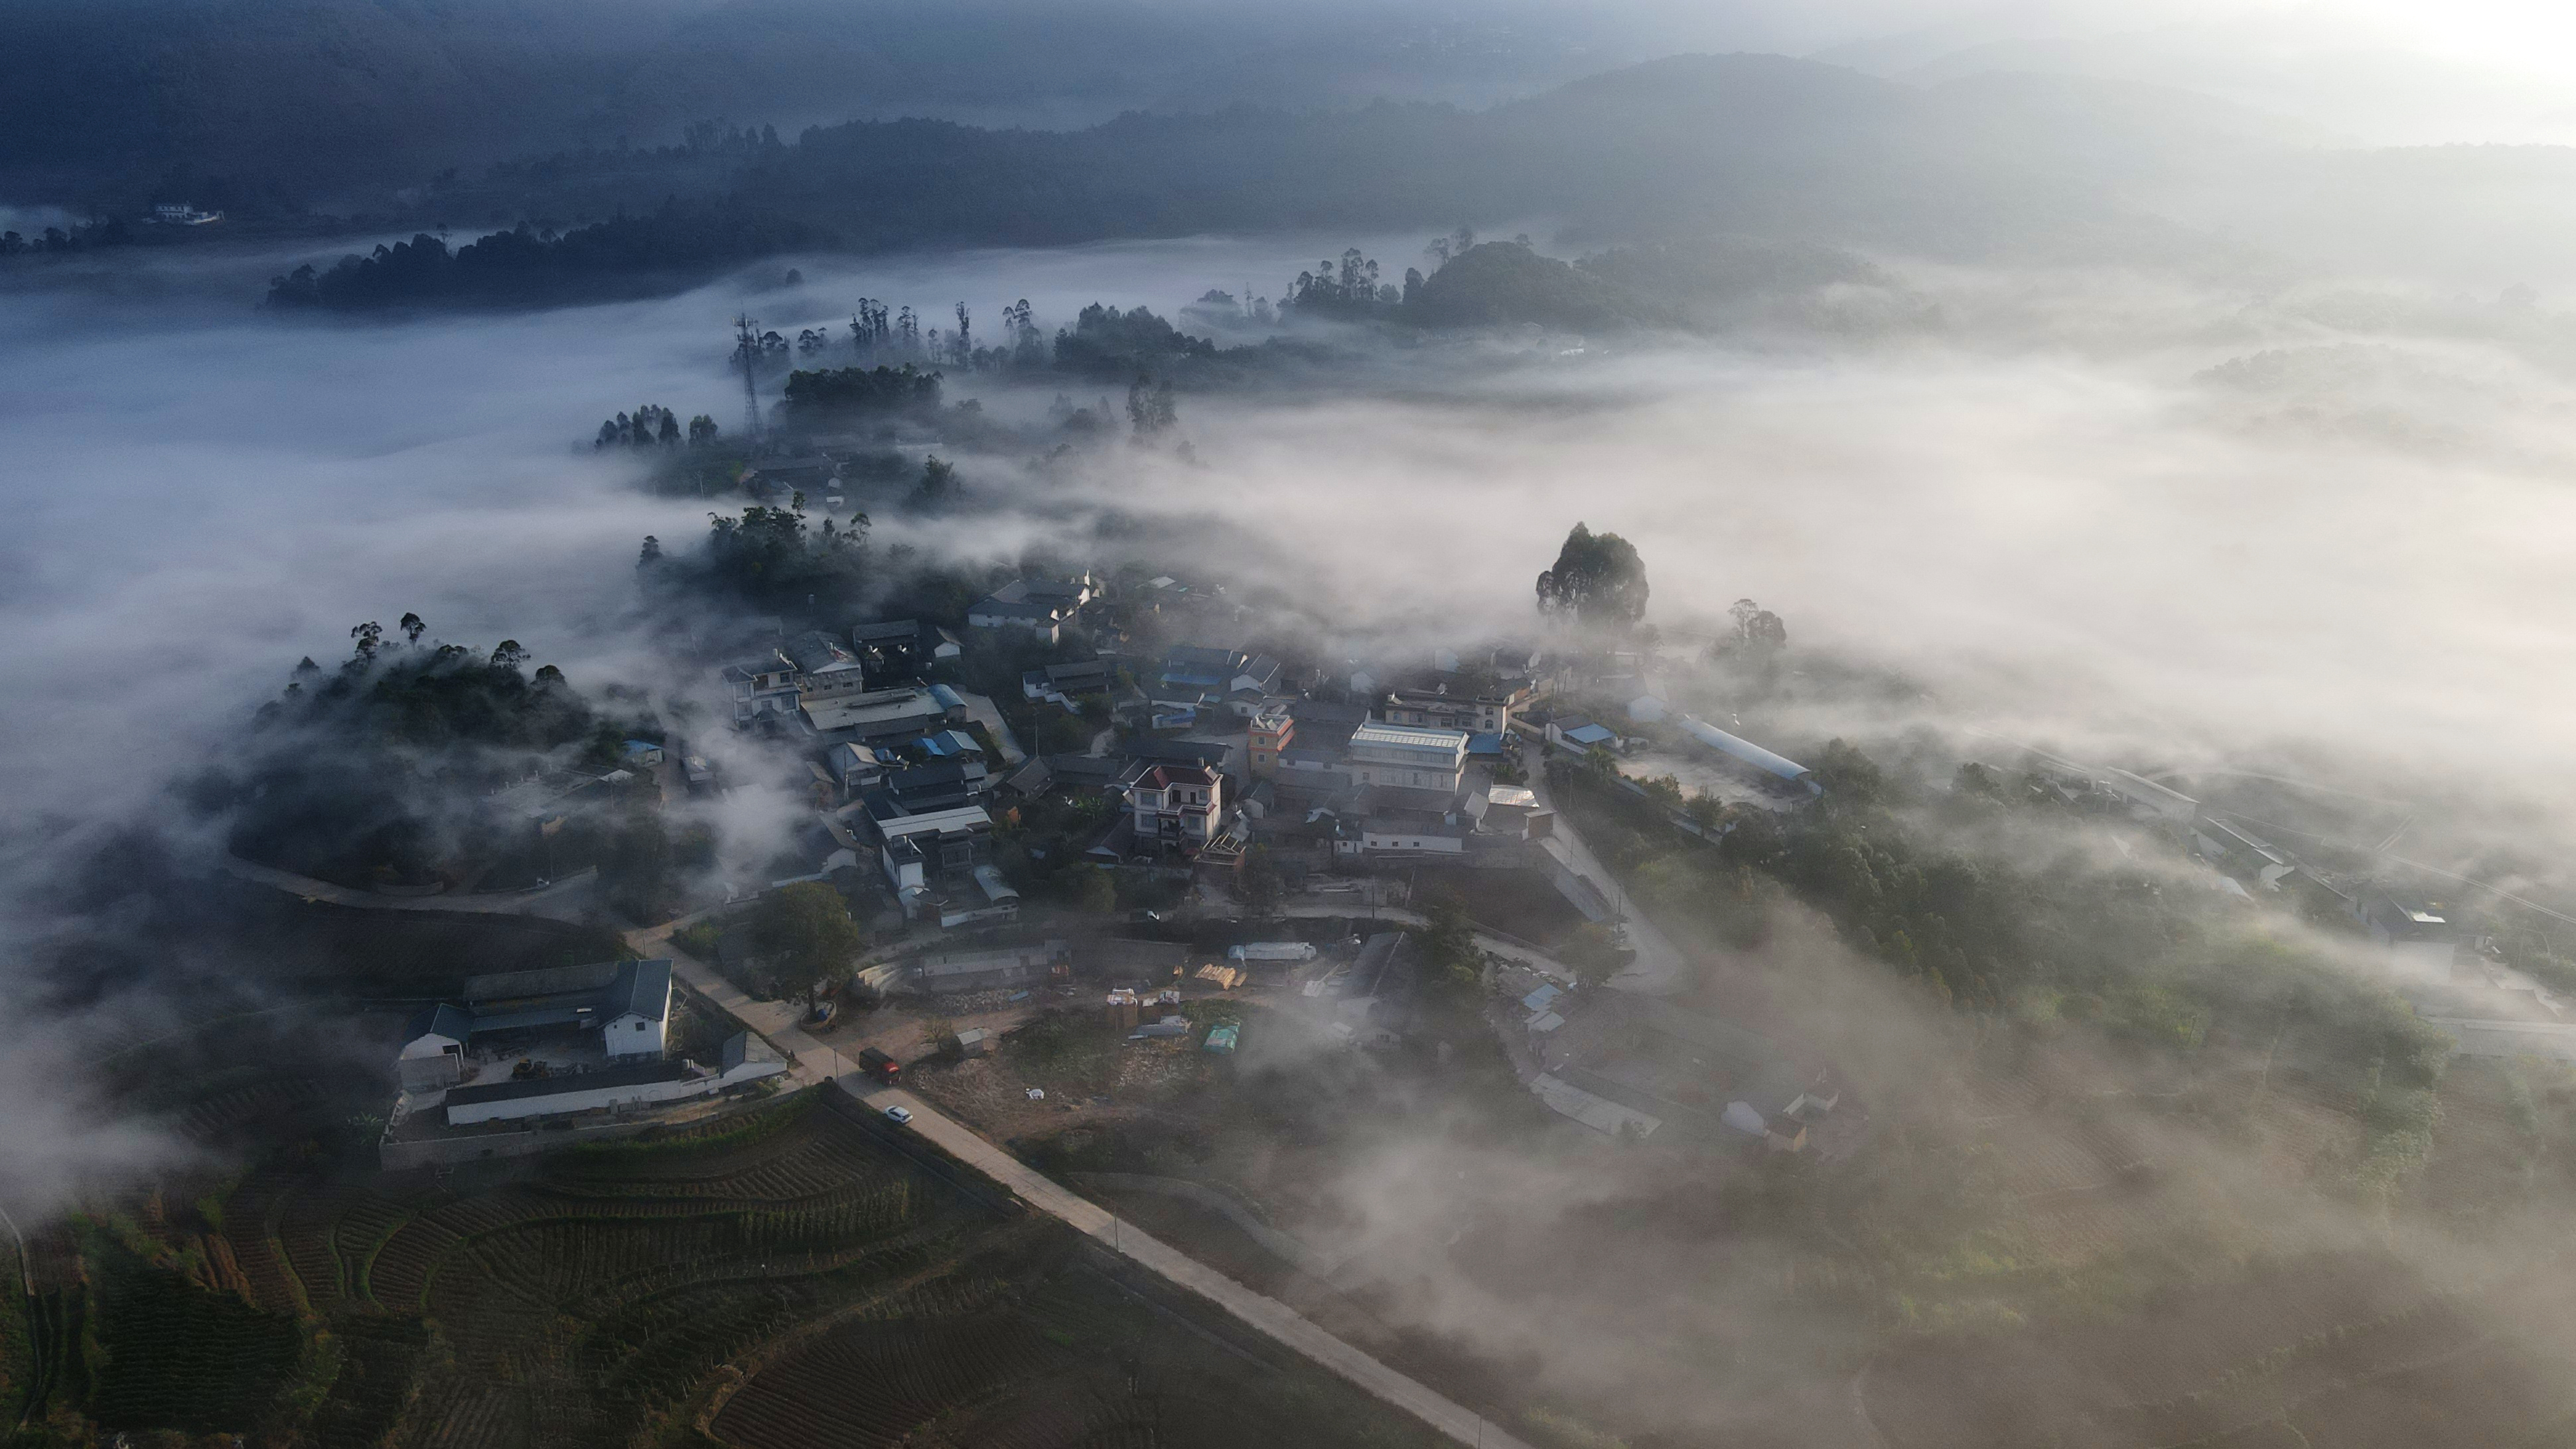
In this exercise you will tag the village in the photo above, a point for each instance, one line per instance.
(1216, 830)
(1199, 834)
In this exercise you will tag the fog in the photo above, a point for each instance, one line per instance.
(2302, 518)
(2044, 513)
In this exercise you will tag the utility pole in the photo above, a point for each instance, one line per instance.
(746, 346)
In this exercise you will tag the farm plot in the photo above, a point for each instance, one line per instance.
(380, 1363)
(2205, 1366)
(179, 1357)
(1060, 1357)
(580, 1305)
(272, 1286)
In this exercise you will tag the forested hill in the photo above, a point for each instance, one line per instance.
(1744, 144)
(249, 104)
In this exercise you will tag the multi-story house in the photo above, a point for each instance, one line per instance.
(1174, 807)
(1479, 705)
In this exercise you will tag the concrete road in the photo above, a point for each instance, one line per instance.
(1356, 906)
(1658, 969)
(782, 1023)
(818, 1062)
(1273, 1318)
(563, 900)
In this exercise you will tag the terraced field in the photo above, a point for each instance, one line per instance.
(1051, 1356)
(785, 1279)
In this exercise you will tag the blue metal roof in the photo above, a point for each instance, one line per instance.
(453, 1022)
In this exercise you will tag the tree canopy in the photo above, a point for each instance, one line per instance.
(1598, 579)
(806, 932)
(856, 392)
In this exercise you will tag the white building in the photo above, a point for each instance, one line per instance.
(627, 1002)
(919, 851)
(1409, 756)
(745, 1059)
(1175, 806)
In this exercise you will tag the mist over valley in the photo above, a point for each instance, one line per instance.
(1541, 739)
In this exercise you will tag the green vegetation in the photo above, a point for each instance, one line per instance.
(1598, 579)
(332, 782)
(770, 558)
(616, 1295)
(852, 393)
(1987, 938)
(806, 935)
(604, 259)
(178, 1356)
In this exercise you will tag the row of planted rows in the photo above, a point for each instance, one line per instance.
(579, 1306)
(306, 1245)
(542, 1256)
(876, 1379)
(509, 1284)
(616, 1279)
(1064, 1361)
(648, 1354)
(181, 1357)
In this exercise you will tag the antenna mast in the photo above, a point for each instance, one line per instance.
(746, 346)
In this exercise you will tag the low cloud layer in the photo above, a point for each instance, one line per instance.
(2163, 524)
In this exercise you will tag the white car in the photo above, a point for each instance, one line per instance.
(899, 1116)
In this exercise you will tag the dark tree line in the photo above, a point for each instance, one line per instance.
(861, 392)
(771, 559)
(1687, 147)
(111, 231)
(653, 425)
(678, 242)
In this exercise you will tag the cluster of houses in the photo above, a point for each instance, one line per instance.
(1212, 748)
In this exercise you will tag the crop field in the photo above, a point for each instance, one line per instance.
(1049, 1355)
(780, 1278)
(2290, 1354)
(181, 1357)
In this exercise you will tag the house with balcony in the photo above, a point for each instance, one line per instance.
(1172, 808)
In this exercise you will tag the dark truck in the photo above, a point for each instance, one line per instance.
(880, 1066)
